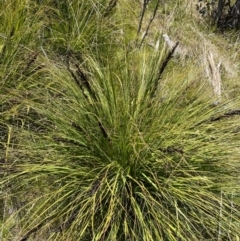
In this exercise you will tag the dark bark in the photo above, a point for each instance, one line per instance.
(227, 16)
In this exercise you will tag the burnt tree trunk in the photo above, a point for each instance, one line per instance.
(227, 16)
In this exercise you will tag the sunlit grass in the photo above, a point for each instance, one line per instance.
(98, 144)
(116, 162)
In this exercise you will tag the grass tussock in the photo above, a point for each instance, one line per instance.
(106, 138)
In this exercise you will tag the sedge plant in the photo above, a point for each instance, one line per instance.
(128, 147)
(109, 157)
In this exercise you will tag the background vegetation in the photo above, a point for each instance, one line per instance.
(109, 133)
